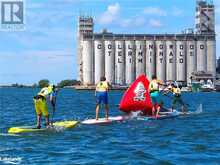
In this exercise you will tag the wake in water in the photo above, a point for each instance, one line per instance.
(11, 160)
(137, 115)
(6, 134)
(199, 110)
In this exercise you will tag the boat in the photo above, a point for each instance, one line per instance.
(207, 87)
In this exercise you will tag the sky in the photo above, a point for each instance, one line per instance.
(46, 49)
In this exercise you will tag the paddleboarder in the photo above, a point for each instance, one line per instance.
(101, 94)
(155, 95)
(177, 99)
(40, 104)
(53, 100)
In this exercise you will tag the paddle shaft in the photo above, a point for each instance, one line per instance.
(53, 103)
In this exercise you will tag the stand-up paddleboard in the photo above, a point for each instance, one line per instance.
(59, 124)
(164, 115)
(104, 120)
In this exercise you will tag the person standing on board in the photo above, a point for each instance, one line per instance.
(40, 104)
(177, 99)
(155, 95)
(53, 97)
(101, 94)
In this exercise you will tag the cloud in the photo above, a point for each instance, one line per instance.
(154, 11)
(155, 23)
(114, 16)
(110, 15)
(31, 66)
(135, 22)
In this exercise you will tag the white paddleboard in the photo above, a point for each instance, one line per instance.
(103, 120)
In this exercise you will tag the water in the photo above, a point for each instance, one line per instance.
(193, 139)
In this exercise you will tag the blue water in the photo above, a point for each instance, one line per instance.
(192, 139)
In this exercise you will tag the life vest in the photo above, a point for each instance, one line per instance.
(102, 86)
(176, 91)
(45, 91)
(154, 86)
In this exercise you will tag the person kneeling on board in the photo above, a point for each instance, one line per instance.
(40, 104)
(155, 95)
(101, 94)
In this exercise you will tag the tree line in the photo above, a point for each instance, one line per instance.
(45, 82)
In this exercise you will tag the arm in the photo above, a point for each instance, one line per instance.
(109, 86)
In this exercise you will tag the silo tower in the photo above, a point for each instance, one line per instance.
(205, 17)
(85, 26)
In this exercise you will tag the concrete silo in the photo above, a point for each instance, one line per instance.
(150, 58)
(170, 60)
(110, 61)
(211, 56)
(99, 60)
(191, 58)
(181, 61)
(87, 58)
(140, 57)
(201, 56)
(129, 61)
(161, 60)
(119, 62)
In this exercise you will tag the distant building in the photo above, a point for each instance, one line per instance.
(123, 57)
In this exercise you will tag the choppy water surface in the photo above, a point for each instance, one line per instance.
(192, 139)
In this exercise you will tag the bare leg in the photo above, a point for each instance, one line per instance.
(39, 121)
(153, 111)
(47, 121)
(158, 110)
(106, 111)
(97, 112)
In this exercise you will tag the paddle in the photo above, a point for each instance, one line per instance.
(53, 103)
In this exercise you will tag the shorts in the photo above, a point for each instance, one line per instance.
(155, 98)
(101, 97)
(177, 100)
(41, 107)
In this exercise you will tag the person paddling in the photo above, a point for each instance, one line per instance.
(155, 95)
(40, 105)
(101, 94)
(177, 99)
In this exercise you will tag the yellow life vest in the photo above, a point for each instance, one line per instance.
(154, 86)
(176, 91)
(102, 86)
(45, 91)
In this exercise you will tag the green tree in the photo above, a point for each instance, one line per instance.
(34, 85)
(43, 83)
(65, 83)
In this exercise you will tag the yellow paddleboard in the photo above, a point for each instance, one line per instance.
(59, 124)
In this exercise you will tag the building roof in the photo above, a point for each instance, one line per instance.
(183, 36)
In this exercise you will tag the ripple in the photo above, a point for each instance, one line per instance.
(192, 139)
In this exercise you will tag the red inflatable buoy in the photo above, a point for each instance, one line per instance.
(137, 96)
